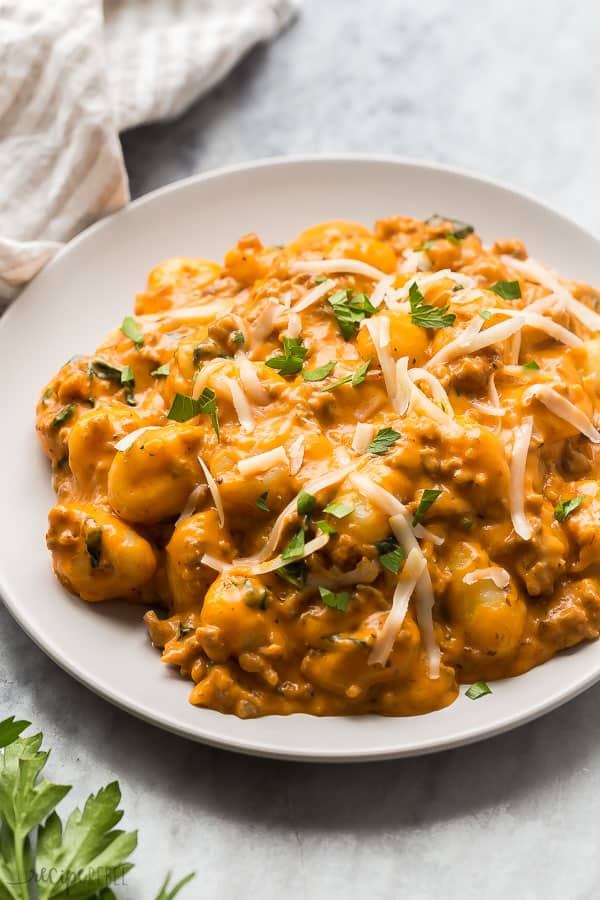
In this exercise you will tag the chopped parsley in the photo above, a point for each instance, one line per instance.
(485, 314)
(104, 370)
(564, 509)
(305, 503)
(131, 330)
(185, 407)
(531, 365)
(326, 528)
(428, 497)
(162, 371)
(127, 376)
(62, 416)
(321, 278)
(238, 337)
(458, 287)
(350, 310)
(477, 690)
(383, 440)
(184, 630)
(295, 548)
(262, 501)
(460, 230)
(93, 545)
(391, 554)
(427, 316)
(355, 379)
(508, 290)
(339, 510)
(335, 601)
(293, 357)
(468, 524)
(319, 373)
(294, 573)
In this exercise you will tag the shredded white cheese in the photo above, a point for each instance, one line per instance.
(271, 565)
(437, 389)
(323, 266)
(472, 339)
(518, 465)
(499, 576)
(314, 295)
(407, 580)
(404, 386)
(264, 324)
(433, 411)
(240, 404)
(425, 281)
(253, 465)
(206, 313)
(424, 534)
(363, 435)
(382, 290)
(251, 381)
(296, 455)
(214, 490)
(126, 442)
(191, 503)
(377, 332)
(562, 408)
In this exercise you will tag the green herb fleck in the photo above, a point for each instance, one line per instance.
(428, 497)
(391, 554)
(508, 290)
(335, 601)
(531, 365)
(339, 510)
(427, 316)
(326, 528)
(184, 630)
(319, 373)
(293, 357)
(305, 503)
(477, 690)
(321, 278)
(566, 507)
(383, 440)
(127, 376)
(294, 573)
(131, 330)
(350, 310)
(162, 371)
(295, 548)
(103, 370)
(355, 379)
(93, 545)
(468, 524)
(208, 406)
(62, 416)
(238, 338)
(485, 314)
(262, 501)
(183, 408)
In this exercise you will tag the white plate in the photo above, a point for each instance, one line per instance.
(88, 289)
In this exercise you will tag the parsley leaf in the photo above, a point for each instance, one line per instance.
(531, 365)
(566, 507)
(391, 554)
(326, 528)
(468, 524)
(184, 407)
(131, 330)
(508, 290)
(162, 371)
(477, 690)
(62, 416)
(11, 729)
(427, 316)
(167, 892)
(238, 338)
(335, 601)
(460, 230)
(321, 278)
(294, 573)
(319, 373)
(295, 548)
(262, 501)
(355, 379)
(350, 311)
(428, 497)
(127, 376)
(339, 510)
(293, 357)
(104, 370)
(383, 440)
(485, 314)
(93, 545)
(305, 503)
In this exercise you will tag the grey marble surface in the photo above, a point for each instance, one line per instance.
(508, 89)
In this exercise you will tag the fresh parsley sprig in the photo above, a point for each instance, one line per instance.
(426, 316)
(84, 855)
(355, 379)
(184, 408)
(292, 360)
(428, 497)
(508, 290)
(564, 509)
(350, 310)
(383, 440)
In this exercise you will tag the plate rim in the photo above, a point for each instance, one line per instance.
(249, 746)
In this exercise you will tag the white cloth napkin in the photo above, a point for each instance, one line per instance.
(74, 74)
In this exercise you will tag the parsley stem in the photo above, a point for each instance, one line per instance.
(19, 843)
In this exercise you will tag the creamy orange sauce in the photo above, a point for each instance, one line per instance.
(219, 367)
